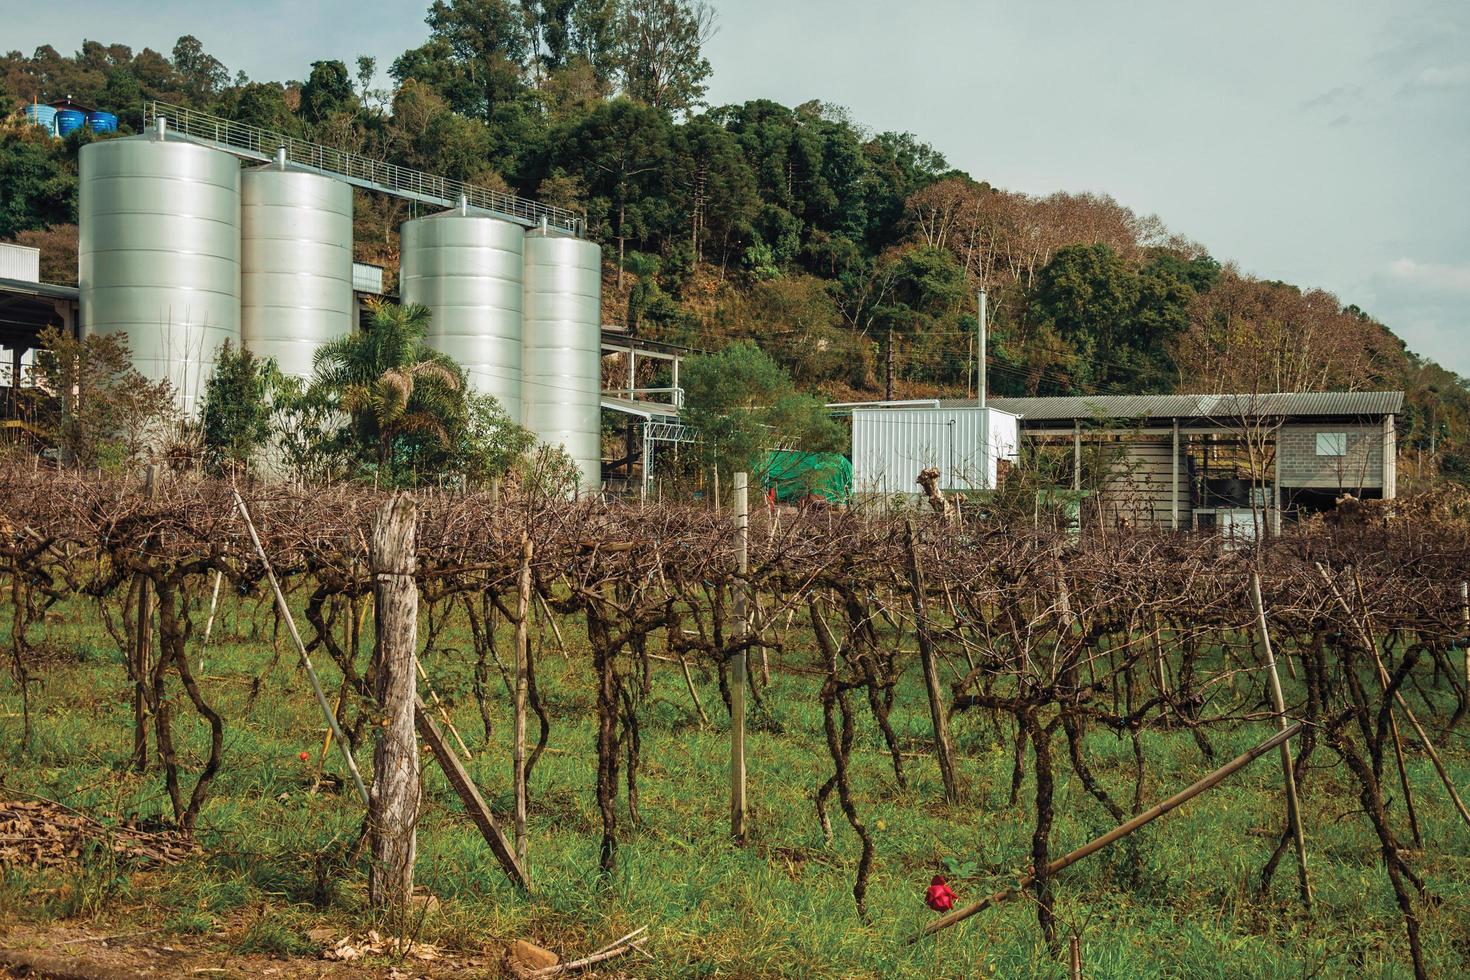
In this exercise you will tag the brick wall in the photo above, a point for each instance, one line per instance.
(1300, 466)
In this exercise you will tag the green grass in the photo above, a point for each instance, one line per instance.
(1176, 900)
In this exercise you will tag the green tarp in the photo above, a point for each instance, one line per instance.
(795, 476)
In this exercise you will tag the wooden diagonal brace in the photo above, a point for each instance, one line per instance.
(474, 804)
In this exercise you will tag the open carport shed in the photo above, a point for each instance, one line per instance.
(1201, 461)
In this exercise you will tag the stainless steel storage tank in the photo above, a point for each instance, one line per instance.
(466, 268)
(295, 264)
(563, 348)
(159, 254)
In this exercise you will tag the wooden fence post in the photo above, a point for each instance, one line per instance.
(393, 813)
(737, 661)
(937, 714)
(1465, 631)
(1278, 701)
(143, 648)
(523, 654)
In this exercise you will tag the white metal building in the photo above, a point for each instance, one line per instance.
(892, 443)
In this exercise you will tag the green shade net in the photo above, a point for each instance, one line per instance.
(796, 475)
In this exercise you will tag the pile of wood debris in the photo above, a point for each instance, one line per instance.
(42, 834)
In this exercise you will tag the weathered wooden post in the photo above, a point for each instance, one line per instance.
(1293, 806)
(142, 665)
(1465, 630)
(937, 713)
(523, 655)
(737, 661)
(394, 807)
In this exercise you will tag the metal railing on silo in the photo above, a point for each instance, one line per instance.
(256, 143)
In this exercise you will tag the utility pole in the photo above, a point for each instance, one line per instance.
(888, 387)
(980, 365)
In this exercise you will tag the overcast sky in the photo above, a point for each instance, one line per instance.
(1324, 142)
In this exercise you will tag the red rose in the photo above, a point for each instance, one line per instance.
(940, 897)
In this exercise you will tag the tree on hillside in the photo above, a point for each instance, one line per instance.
(565, 31)
(473, 57)
(391, 384)
(37, 188)
(1121, 320)
(659, 51)
(715, 188)
(203, 75)
(1249, 335)
(620, 151)
(743, 404)
(328, 90)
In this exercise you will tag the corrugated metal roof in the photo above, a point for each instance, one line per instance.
(1218, 407)
(641, 409)
(50, 290)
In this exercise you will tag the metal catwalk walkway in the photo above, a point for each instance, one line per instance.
(254, 143)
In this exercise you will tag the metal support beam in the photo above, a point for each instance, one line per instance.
(1076, 455)
(1174, 484)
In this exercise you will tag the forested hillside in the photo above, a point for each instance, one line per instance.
(837, 249)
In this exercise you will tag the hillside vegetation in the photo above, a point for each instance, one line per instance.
(829, 245)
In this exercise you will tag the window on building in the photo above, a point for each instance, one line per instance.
(1332, 444)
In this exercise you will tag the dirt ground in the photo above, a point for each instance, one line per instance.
(63, 952)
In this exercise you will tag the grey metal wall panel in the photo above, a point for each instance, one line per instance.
(891, 446)
(563, 347)
(296, 265)
(467, 270)
(159, 254)
(20, 262)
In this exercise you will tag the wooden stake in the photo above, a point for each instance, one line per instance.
(523, 653)
(1465, 631)
(1293, 806)
(394, 807)
(1076, 941)
(937, 715)
(474, 803)
(1117, 833)
(142, 648)
(737, 662)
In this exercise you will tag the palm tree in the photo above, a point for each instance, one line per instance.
(390, 382)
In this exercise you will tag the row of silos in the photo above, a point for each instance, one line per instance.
(182, 250)
(521, 313)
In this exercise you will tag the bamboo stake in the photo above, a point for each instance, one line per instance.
(1117, 833)
(555, 629)
(316, 684)
(1293, 805)
(209, 623)
(443, 711)
(1383, 682)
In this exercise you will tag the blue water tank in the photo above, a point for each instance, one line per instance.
(69, 121)
(43, 116)
(102, 122)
